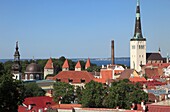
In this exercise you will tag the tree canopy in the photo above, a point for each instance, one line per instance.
(11, 93)
(92, 95)
(64, 92)
(122, 93)
(32, 89)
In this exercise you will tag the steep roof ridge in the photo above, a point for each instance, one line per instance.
(49, 64)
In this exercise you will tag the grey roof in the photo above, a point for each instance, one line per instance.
(153, 56)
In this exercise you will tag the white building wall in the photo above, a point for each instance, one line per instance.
(17, 76)
(48, 71)
(137, 54)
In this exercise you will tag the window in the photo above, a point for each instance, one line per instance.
(133, 47)
(26, 76)
(31, 77)
(37, 77)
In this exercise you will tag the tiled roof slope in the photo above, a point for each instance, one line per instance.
(49, 64)
(65, 65)
(78, 65)
(75, 76)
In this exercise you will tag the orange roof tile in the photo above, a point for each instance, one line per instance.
(49, 64)
(75, 76)
(88, 63)
(137, 79)
(101, 80)
(65, 65)
(78, 65)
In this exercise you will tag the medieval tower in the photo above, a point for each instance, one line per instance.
(137, 44)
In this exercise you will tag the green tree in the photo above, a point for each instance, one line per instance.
(123, 94)
(92, 95)
(32, 89)
(1, 69)
(64, 90)
(11, 93)
(78, 96)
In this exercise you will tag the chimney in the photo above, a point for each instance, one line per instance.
(112, 52)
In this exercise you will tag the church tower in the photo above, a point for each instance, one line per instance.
(16, 67)
(137, 44)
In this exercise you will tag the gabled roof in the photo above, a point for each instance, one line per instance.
(40, 102)
(65, 65)
(126, 74)
(74, 76)
(153, 56)
(78, 65)
(49, 64)
(88, 63)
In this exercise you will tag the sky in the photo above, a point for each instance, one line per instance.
(80, 28)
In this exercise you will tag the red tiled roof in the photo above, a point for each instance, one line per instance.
(65, 65)
(78, 65)
(158, 108)
(40, 102)
(88, 63)
(49, 64)
(137, 79)
(49, 77)
(153, 72)
(66, 106)
(75, 76)
(160, 65)
(100, 80)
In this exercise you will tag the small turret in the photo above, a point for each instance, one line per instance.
(65, 66)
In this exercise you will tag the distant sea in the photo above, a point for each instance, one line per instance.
(97, 61)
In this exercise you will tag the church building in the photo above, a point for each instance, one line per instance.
(16, 67)
(137, 44)
(138, 55)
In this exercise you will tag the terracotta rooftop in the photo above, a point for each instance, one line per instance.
(65, 65)
(88, 63)
(49, 64)
(78, 65)
(37, 103)
(137, 79)
(74, 76)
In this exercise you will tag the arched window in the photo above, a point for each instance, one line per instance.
(31, 77)
(26, 77)
(37, 77)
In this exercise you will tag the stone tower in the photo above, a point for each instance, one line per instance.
(137, 44)
(16, 67)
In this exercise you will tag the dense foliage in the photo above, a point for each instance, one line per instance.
(11, 93)
(64, 92)
(32, 89)
(122, 94)
(92, 95)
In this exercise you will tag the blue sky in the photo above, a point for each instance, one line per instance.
(80, 28)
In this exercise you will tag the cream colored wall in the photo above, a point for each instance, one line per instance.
(137, 55)
(48, 71)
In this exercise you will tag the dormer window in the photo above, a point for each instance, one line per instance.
(58, 80)
(82, 80)
(70, 80)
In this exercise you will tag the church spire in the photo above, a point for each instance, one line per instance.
(138, 29)
(16, 55)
